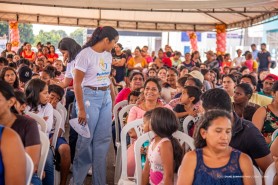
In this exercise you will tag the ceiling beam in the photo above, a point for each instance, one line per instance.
(146, 10)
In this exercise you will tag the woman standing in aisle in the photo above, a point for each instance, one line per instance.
(94, 104)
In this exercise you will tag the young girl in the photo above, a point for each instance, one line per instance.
(21, 103)
(58, 64)
(214, 161)
(9, 75)
(37, 97)
(92, 90)
(37, 102)
(152, 72)
(48, 75)
(164, 153)
(116, 85)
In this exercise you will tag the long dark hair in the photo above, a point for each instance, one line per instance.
(154, 80)
(71, 46)
(32, 91)
(164, 123)
(100, 33)
(2, 76)
(205, 122)
(8, 92)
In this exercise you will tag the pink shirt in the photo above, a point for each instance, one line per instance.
(249, 64)
(138, 113)
(123, 95)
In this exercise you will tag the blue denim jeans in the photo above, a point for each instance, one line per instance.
(49, 169)
(73, 135)
(92, 152)
(36, 179)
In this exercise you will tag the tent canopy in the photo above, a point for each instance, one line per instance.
(161, 15)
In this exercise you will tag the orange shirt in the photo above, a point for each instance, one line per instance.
(224, 64)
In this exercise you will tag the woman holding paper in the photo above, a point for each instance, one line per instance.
(94, 104)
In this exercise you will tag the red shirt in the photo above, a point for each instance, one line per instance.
(167, 62)
(52, 57)
(123, 95)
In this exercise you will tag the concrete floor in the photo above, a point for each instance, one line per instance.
(110, 164)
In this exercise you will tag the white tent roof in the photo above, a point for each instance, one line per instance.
(179, 15)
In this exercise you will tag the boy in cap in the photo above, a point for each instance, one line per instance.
(268, 82)
(25, 74)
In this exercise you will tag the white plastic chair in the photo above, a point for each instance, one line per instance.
(269, 174)
(274, 135)
(258, 176)
(117, 141)
(41, 122)
(45, 144)
(180, 136)
(137, 126)
(58, 122)
(124, 110)
(29, 169)
(116, 118)
(118, 144)
(61, 108)
(187, 120)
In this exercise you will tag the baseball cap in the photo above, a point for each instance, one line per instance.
(271, 77)
(25, 74)
(198, 75)
(209, 52)
(245, 53)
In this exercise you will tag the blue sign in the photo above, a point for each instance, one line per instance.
(186, 49)
(185, 37)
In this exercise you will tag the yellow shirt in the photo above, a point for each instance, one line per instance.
(143, 63)
(255, 64)
(260, 99)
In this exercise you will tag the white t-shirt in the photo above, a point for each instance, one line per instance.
(45, 111)
(70, 69)
(96, 66)
(238, 61)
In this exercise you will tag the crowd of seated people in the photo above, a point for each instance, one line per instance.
(235, 101)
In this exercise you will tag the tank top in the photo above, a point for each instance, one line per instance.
(2, 177)
(28, 56)
(156, 167)
(270, 122)
(230, 174)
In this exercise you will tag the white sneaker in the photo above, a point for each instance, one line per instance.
(90, 172)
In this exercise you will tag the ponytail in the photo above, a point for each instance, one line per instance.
(99, 34)
(178, 153)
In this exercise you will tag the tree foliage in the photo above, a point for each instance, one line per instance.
(53, 36)
(77, 35)
(25, 31)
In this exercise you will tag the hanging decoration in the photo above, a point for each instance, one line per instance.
(14, 35)
(193, 40)
(221, 39)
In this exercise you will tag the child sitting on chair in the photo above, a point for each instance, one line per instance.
(130, 150)
(190, 96)
(62, 149)
(165, 153)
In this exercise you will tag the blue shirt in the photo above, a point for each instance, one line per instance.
(255, 54)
